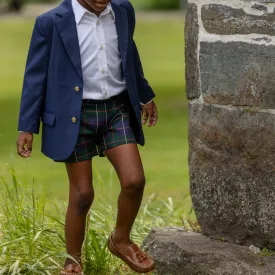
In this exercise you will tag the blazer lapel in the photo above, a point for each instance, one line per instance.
(121, 21)
(66, 26)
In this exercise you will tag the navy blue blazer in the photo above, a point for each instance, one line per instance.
(53, 70)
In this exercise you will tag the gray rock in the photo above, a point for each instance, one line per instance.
(221, 19)
(177, 252)
(232, 173)
(238, 73)
(191, 52)
(254, 249)
(260, 7)
(266, 39)
(261, 1)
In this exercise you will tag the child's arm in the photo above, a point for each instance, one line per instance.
(35, 81)
(146, 93)
(33, 92)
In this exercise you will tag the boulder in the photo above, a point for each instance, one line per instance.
(178, 252)
(232, 173)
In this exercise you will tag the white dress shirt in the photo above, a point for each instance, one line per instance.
(100, 56)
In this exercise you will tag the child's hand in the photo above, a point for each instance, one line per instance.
(149, 111)
(24, 144)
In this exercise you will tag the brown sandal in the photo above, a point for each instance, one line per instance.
(66, 272)
(135, 258)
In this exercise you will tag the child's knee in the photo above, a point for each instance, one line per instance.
(82, 200)
(134, 184)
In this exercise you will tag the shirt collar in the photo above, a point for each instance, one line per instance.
(79, 11)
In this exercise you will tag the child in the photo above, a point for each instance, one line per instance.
(84, 81)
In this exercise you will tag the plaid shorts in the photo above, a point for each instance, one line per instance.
(104, 124)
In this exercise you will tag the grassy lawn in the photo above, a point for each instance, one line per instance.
(165, 155)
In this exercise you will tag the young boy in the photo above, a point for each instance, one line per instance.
(84, 81)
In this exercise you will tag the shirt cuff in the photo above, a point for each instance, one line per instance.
(147, 102)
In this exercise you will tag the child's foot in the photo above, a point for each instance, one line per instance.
(131, 254)
(72, 269)
(121, 244)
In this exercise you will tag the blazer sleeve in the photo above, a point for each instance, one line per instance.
(146, 93)
(35, 81)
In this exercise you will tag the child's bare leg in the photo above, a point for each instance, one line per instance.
(80, 201)
(127, 163)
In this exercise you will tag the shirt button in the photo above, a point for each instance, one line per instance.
(101, 47)
(73, 119)
(103, 71)
(77, 89)
(98, 23)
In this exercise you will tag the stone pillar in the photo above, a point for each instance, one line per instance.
(230, 74)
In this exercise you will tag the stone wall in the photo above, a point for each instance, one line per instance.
(230, 74)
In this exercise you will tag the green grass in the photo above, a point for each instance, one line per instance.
(165, 156)
(31, 229)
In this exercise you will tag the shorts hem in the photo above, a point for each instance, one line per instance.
(79, 159)
(101, 152)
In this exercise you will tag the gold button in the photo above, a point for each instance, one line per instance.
(73, 119)
(77, 89)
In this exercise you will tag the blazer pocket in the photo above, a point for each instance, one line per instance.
(48, 118)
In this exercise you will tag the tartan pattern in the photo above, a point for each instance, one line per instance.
(103, 126)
